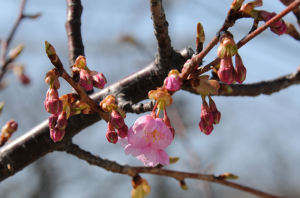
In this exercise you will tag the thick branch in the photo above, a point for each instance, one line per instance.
(161, 30)
(73, 27)
(36, 143)
(133, 171)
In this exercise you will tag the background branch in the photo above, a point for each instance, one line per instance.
(133, 171)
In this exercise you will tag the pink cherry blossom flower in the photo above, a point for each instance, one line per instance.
(147, 139)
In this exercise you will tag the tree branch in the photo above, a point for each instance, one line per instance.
(133, 171)
(254, 89)
(161, 31)
(73, 27)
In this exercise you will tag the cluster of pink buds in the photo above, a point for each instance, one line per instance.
(116, 126)
(209, 116)
(150, 135)
(54, 105)
(7, 130)
(279, 27)
(227, 73)
(88, 79)
(173, 81)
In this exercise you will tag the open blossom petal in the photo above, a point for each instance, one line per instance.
(147, 139)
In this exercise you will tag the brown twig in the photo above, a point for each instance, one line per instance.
(250, 36)
(254, 89)
(73, 27)
(6, 42)
(133, 171)
(161, 31)
(296, 11)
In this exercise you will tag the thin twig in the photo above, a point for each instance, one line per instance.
(133, 171)
(296, 11)
(250, 36)
(161, 30)
(6, 42)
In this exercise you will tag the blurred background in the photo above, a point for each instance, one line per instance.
(257, 138)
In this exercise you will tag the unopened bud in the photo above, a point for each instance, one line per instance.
(99, 80)
(80, 62)
(183, 185)
(214, 110)
(86, 80)
(116, 119)
(173, 81)
(108, 103)
(10, 127)
(57, 135)
(236, 4)
(200, 32)
(112, 136)
(14, 53)
(123, 132)
(226, 70)
(240, 69)
(49, 49)
(62, 121)
(52, 102)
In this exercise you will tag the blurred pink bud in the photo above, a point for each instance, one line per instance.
(173, 81)
(122, 132)
(25, 80)
(99, 79)
(279, 27)
(52, 102)
(10, 127)
(206, 113)
(52, 121)
(57, 135)
(213, 108)
(86, 80)
(240, 69)
(62, 121)
(116, 119)
(226, 70)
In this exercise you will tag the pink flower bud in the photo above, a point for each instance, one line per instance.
(116, 119)
(214, 110)
(122, 132)
(57, 135)
(279, 27)
(52, 102)
(52, 121)
(86, 80)
(206, 114)
(10, 127)
(112, 136)
(62, 121)
(226, 70)
(205, 128)
(240, 69)
(173, 81)
(99, 79)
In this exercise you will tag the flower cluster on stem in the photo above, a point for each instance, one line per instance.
(116, 126)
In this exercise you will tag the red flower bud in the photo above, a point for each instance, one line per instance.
(99, 79)
(62, 121)
(173, 81)
(25, 80)
(240, 69)
(57, 135)
(122, 132)
(226, 70)
(116, 119)
(112, 136)
(205, 128)
(10, 127)
(86, 80)
(214, 110)
(52, 102)
(52, 121)
(206, 114)
(279, 27)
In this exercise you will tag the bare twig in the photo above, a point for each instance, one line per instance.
(161, 30)
(6, 42)
(296, 11)
(133, 171)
